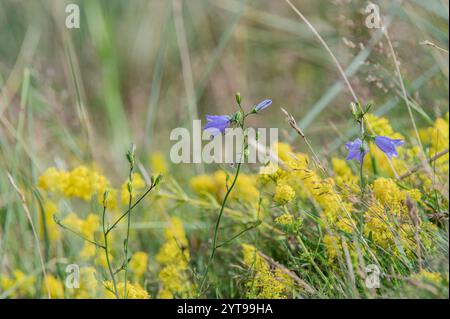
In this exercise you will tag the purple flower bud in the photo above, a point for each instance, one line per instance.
(388, 145)
(356, 150)
(217, 123)
(262, 105)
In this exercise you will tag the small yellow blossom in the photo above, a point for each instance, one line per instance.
(285, 219)
(47, 224)
(283, 194)
(138, 264)
(134, 291)
(19, 285)
(265, 282)
(55, 286)
(174, 257)
(203, 184)
(158, 163)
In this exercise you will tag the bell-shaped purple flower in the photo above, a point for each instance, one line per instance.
(388, 145)
(356, 150)
(217, 123)
(262, 105)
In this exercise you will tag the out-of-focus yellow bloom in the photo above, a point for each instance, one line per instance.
(138, 264)
(100, 259)
(268, 172)
(433, 277)
(47, 223)
(265, 282)
(337, 211)
(344, 177)
(215, 184)
(388, 222)
(86, 227)
(88, 285)
(134, 291)
(332, 246)
(55, 285)
(111, 203)
(20, 285)
(158, 163)
(137, 184)
(437, 137)
(285, 219)
(53, 180)
(174, 257)
(283, 151)
(89, 250)
(283, 194)
(203, 184)
(81, 182)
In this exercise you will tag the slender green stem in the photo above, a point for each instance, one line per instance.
(114, 225)
(130, 199)
(78, 234)
(216, 228)
(227, 194)
(105, 237)
(237, 235)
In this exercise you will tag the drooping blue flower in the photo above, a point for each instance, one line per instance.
(356, 150)
(262, 105)
(217, 123)
(388, 145)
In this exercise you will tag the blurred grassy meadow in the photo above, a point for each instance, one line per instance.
(72, 101)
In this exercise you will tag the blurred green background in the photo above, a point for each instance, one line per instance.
(135, 70)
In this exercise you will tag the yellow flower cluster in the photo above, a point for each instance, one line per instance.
(308, 184)
(138, 264)
(215, 184)
(388, 218)
(158, 163)
(134, 291)
(332, 245)
(18, 285)
(264, 281)
(88, 285)
(87, 228)
(437, 137)
(55, 286)
(174, 259)
(283, 194)
(285, 219)
(47, 224)
(432, 277)
(347, 182)
(81, 182)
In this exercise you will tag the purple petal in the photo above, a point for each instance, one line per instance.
(354, 150)
(211, 118)
(217, 123)
(388, 145)
(262, 105)
(353, 145)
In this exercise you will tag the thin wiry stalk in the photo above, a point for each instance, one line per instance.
(105, 237)
(36, 237)
(405, 97)
(130, 200)
(322, 41)
(216, 227)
